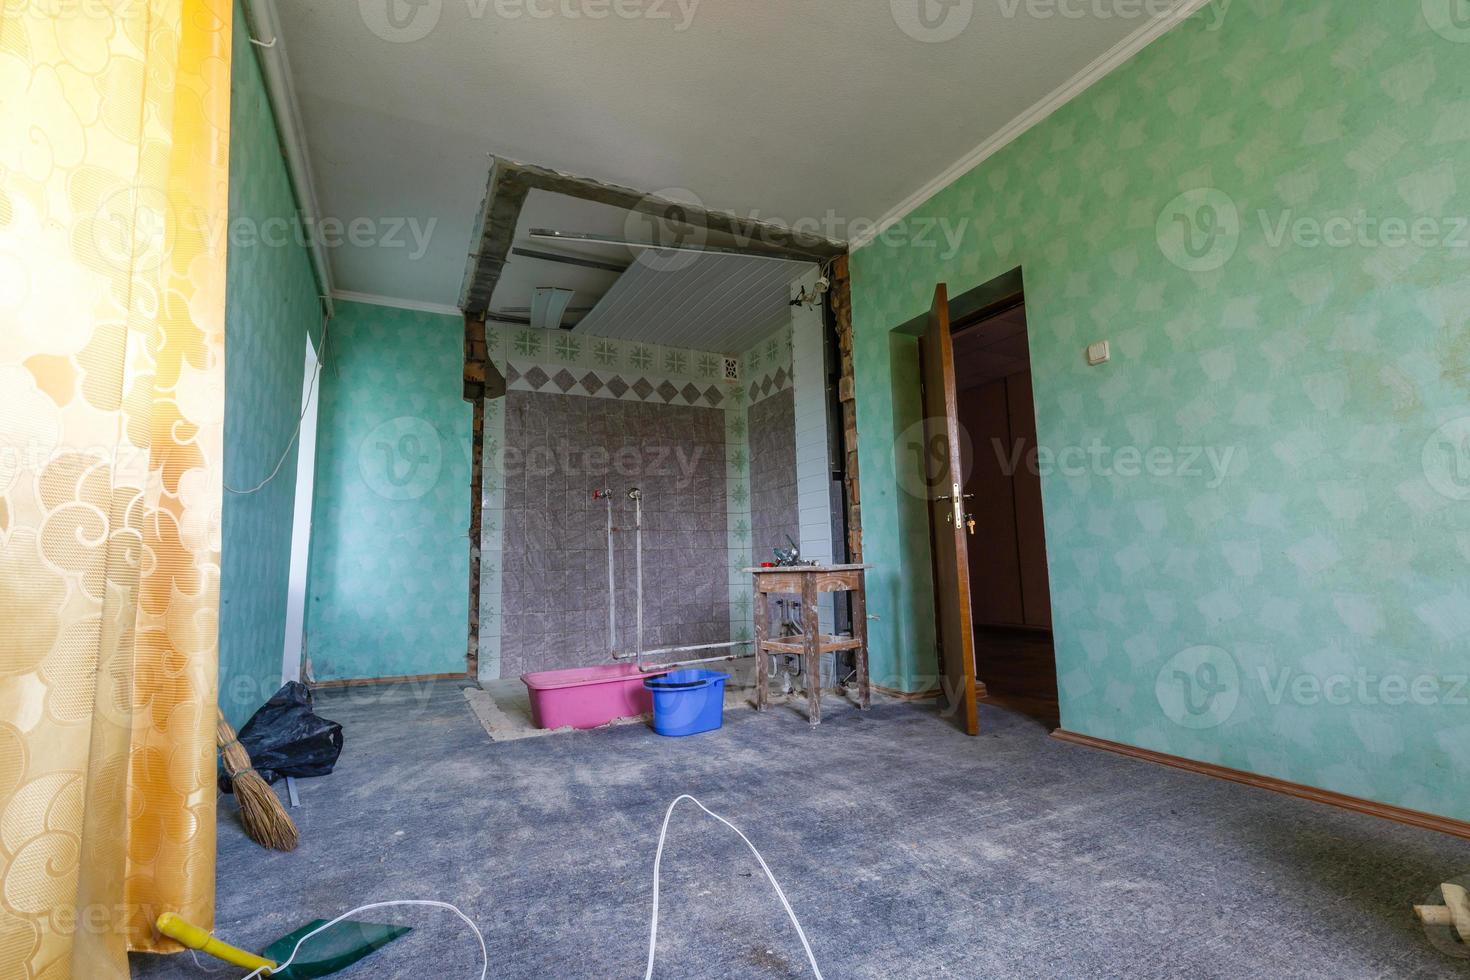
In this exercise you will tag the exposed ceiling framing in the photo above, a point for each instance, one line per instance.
(510, 183)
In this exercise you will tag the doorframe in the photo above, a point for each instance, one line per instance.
(965, 310)
(985, 299)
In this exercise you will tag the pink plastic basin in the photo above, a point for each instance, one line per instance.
(585, 697)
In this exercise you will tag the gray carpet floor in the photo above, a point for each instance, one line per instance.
(906, 848)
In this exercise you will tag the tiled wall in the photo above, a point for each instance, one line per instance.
(559, 448)
(543, 578)
(698, 533)
(773, 508)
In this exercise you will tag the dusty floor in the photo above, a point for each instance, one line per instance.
(907, 850)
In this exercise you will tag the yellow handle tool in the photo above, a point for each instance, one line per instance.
(194, 937)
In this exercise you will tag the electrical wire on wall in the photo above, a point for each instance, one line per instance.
(305, 405)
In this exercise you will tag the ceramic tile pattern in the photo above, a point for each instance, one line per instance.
(270, 305)
(554, 583)
(606, 373)
(766, 367)
(1334, 368)
(388, 591)
(773, 498)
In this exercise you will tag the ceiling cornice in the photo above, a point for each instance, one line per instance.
(1017, 127)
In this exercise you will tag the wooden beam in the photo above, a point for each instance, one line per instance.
(482, 380)
(840, 296)
(477, 487)
(505, 195)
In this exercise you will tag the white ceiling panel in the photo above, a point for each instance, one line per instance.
(708, 302)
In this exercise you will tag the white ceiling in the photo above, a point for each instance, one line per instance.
(785, 108)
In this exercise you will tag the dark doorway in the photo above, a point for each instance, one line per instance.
(1009, 592)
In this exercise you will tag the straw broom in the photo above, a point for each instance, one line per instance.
(265, 819)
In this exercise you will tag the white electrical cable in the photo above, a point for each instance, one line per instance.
(658, 860)
(484, 953)
(652, 926)
(305, 404)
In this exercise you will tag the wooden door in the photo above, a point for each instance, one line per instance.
(947, 514)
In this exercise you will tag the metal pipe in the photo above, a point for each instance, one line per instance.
(691, 663)
(582, 238)
(700, 646)
(612, 595)
(636, 496)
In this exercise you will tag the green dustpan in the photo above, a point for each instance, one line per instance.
(331, 950)
(322, 955)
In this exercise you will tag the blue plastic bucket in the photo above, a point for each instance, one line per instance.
(687, 702)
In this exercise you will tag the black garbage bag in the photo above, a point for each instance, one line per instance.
(286, 738)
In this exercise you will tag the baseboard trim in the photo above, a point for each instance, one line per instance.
(1398, 814)
(401, 679)
(897, 695)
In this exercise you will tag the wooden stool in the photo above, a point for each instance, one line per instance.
(808, 581)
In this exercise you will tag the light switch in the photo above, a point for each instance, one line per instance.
(1098, 353)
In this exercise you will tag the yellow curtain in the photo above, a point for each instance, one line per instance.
(114, 153)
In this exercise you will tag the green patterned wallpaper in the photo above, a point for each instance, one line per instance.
(388, 589)
(270, 304)
(1258, 513)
